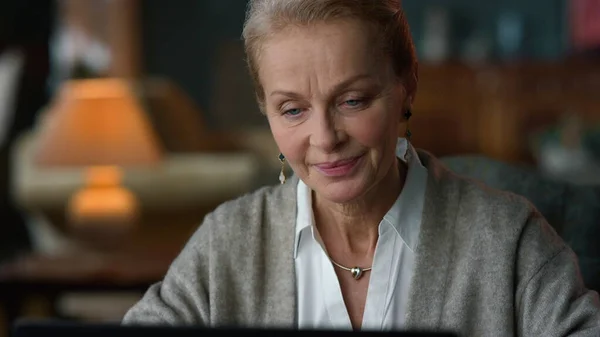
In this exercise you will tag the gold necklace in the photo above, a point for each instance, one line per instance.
(357, 272)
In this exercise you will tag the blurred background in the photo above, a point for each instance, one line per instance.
(123, 122)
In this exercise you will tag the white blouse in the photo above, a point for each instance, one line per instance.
(320, 302)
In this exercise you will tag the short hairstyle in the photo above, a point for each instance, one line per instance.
(266, 17)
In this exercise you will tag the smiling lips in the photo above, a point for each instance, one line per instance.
(338, 168)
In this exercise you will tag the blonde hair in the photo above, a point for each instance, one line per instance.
(266, 17)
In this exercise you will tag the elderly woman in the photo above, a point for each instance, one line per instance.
(369, 233)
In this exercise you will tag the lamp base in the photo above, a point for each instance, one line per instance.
(103, 212)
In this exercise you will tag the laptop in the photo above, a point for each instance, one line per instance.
(78, 329)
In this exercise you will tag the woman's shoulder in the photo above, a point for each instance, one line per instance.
(484, 197)
(494, 211)
(253, 204)
(474, 196)
(475, 199)
(502, 222)
(252, 216)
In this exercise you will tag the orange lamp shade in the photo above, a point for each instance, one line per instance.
(96, 122)
(100, 125)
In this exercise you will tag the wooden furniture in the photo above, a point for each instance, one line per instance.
(492, 110)
(34, 285)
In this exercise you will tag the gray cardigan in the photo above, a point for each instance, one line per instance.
(487, 264)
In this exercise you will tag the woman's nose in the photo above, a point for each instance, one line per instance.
(325, 136)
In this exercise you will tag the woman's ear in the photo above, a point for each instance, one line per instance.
(411, 89)
(412, 80)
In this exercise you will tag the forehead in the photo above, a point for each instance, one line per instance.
(324, 52)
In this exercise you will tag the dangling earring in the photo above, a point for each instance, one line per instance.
(407, 116)
(282, 173)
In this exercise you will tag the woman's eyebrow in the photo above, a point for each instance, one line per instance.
(346, 83)
(338, 87)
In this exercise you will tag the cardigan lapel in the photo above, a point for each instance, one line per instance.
(280, 217)
(434, 251)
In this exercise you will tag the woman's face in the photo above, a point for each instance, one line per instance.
(334, 106)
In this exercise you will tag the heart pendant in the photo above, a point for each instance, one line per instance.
(356, 272)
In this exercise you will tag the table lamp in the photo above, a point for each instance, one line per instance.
(98, 124)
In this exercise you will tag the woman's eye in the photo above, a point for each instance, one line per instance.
(354, 103)
(292, 112)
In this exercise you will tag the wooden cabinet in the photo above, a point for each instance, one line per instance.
(493, 110)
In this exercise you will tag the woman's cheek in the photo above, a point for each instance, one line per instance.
(370, 129)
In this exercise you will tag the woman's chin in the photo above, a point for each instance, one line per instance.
(340, 192)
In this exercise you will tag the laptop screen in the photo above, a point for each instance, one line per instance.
(68, 329)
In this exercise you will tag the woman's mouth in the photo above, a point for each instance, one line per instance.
(339, 168)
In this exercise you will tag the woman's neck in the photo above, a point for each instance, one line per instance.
(355, 225)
